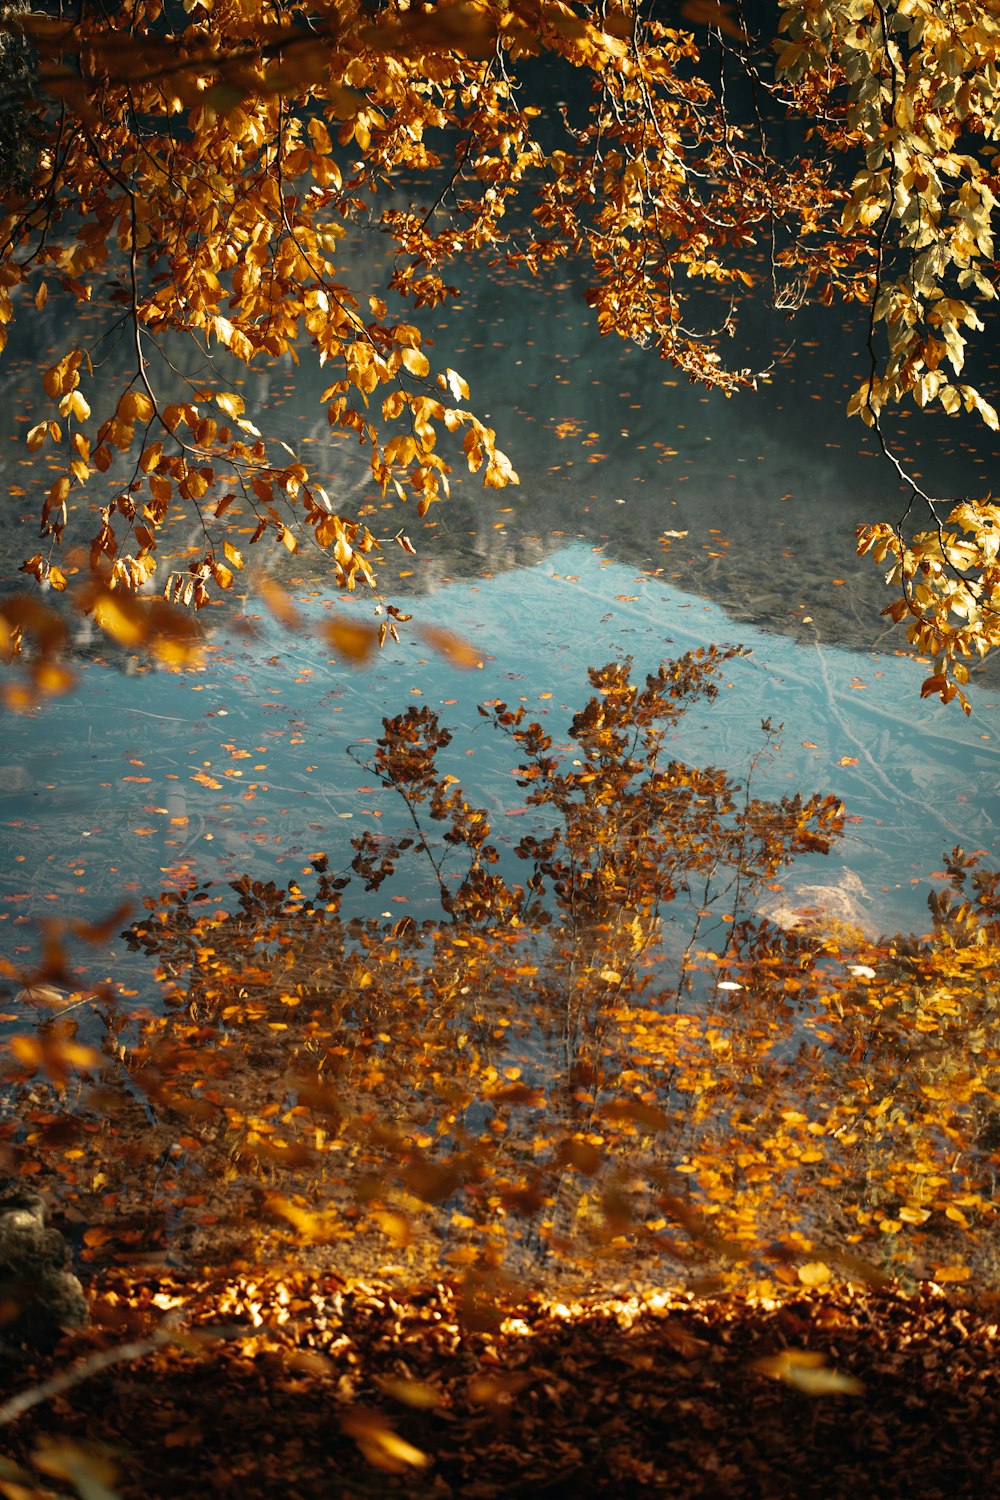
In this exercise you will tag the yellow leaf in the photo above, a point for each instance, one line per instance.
(89, 1473)
(945, 1274)
(395, 1226)
(416, 362)
(55, 1053)
(814, 1273)
(278, 602)
(407, 334)
(805, 1371)
(459, 652)
(351, 639)
(76, 405)
(415, 1393)
(151, 456)
(135, 406)
(383, 1448)
(63, 377)
(52, 677)
(452, 381)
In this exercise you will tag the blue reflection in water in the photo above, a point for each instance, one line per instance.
(132, 783)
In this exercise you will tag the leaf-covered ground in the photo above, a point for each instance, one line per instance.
(292, 1387)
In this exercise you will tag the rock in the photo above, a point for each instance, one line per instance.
(14, 780)
(39, 1295)
(841, 901)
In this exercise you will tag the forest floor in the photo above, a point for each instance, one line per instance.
(300, 1386)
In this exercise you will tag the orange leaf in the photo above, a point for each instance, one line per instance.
(454, 649)
(351, 639)
(278, 602)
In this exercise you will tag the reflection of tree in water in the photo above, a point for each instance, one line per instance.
(687, 464)
(607, 1060)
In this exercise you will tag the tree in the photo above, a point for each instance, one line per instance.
(198, 164)
(589, 1050)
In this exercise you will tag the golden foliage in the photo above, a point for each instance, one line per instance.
(611, 1057)
(912, 87)
(211, 162)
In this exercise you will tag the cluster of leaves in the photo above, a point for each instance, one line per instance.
(913, 87)
(949, 581)
(197, 173)
(613, 1057)
(173, 636)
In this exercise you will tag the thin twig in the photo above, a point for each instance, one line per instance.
(11, 1410)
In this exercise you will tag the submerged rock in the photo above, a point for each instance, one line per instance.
(39, 1295)
(820, 906)
(15, 779)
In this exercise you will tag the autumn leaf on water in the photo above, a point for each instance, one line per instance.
(395, 1226)
(52, 677)
(814, 1273)
(646, 1115)
(454, 648)
(203, 779)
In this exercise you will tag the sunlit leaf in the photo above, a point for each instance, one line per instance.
(808, 1373)
(382, 1447)
(353, 640)
(455, 650)
(415, 1393)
